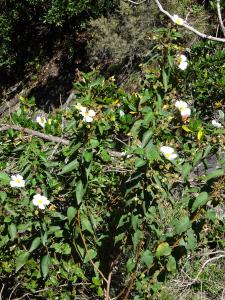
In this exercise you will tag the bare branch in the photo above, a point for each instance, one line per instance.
(136, 3)
(190, 28)
(47, 137)
(220, 16)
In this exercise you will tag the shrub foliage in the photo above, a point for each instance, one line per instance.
(121, 215)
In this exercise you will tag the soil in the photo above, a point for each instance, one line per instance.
(49, 78)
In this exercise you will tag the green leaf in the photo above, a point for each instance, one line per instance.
(140, 162)
(45, 263)
(71, 213)
(130, 265)
(147, 258)
(35, 244)
(88, 156)
(3, 196)
(201, 200)
(183, 225)
(215, 174)
(12, 229)
(21, 260)
(146, 137)
(86, 224)
(165, 80)
(69, 167)
(4, 178)
(100, 292)
(136, 238)
(185, 128)
(79, 192)
(191, 240)
(186, 169)
(171, 264)
(90, 255)
(163, 250)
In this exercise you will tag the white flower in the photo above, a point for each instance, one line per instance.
(88, 115)
(41, 121)
(182, 106)
(17, 181)
(121, 112)
(40, 201)
(168, 152)
(186, 112)
(182, 62)
(176, 19)
(216, 124)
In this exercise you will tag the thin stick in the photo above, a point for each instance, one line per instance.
(47, 137)
(220, 16)
(3, 285)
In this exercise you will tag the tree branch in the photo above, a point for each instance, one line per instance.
(220, 16)
(189, 27)
(47, 137)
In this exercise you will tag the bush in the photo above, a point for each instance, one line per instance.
(121, 215)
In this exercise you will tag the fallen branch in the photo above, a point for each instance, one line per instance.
(47, 137)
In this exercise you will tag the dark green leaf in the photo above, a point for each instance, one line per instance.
(35, 244)
(45, 263)
(147, 258)
(215, 174)
(171, 264)
(183, 225)
(71, 213)
(79, 192)
(21, 260)
(69, 167)
(201, 200)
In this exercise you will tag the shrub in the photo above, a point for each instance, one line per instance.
(122, 210)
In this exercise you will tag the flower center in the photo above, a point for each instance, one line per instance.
(40, 201)
(167, 155)
(18, 180)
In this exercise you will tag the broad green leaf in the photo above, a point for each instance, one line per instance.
(140, 162)
(186, 169)
(35, 244)
(171, 264)
(147, 258)
(86, 224)
(4, 178)
(90, 255)
(69, 167)
(79, 192)
(183, 225)
(45, 263)
(130, 265)
(12, 229)
(201, 200)
(21, 260)
(88, 156)
(71, 213)
(163, 250)
(215, 174)
(146, 137)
